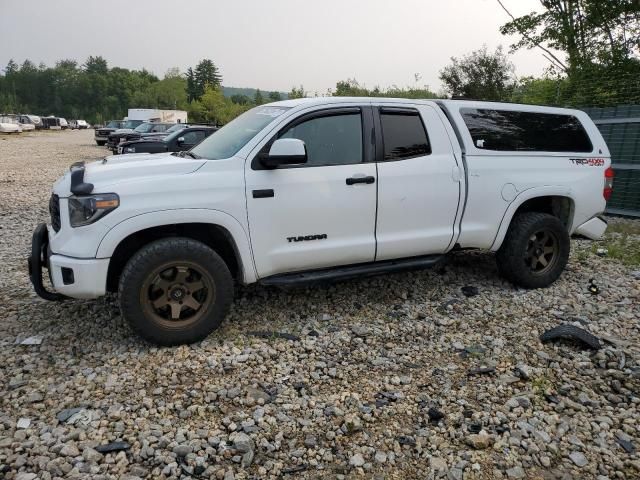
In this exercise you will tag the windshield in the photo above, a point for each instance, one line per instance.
(144, 128)
(114, 124)
(177, 127)
(131, 124)
(228, 141)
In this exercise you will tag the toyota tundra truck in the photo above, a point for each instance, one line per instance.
(322, 189)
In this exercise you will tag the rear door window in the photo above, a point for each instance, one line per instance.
(403, 135)
(508, 130)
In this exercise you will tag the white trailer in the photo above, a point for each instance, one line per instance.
(153, 114)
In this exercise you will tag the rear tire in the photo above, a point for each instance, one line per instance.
(535, 250)
(175, 291)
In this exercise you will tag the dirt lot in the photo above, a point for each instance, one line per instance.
(377, 379)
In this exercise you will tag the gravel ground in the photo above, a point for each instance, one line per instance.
(400, 376)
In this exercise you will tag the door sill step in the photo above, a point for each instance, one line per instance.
(353, 271)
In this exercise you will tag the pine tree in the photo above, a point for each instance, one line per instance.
(258, 100)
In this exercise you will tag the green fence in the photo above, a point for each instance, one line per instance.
(620, 127)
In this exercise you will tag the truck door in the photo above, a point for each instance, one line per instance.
(322, 213)
(418, 182)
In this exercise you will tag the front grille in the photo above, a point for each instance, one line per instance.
(54, 211)
(104, 133)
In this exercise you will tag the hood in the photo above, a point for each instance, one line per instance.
(106, 174)
(122, 131)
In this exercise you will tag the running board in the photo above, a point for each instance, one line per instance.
(353, 271)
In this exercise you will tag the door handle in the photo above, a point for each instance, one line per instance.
(266, 193)
(354, 180)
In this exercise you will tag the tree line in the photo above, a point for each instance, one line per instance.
(96, 92)
(592, 48)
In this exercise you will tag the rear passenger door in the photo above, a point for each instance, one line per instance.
(418, 182)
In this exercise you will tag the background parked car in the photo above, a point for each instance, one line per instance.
(31, 120)
(178, 141)
(119, 137)
(63, 123)
(82, 124)
(24, 127)
(128, 127)
(102, 134)
(9, 125)
(51, 123)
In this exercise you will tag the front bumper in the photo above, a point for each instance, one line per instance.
(70, 277)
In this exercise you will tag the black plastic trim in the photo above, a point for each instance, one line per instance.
(39, 249)
(266, 193)
(353, 180)
(78, 185)
(353, 271)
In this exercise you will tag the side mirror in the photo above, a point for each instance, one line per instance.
(180, 140)
(285, 151)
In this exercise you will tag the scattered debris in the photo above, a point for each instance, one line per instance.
(112, 447)
(23, 423)
(481, 370)
(627, 445)
(435, 415)
(470, 291)
(34, 340)
(296, 469)
(406, 440)
(268, 334)
(83, 417)
(602, 252)
(571, 332)
(474, 428)
(593, 288)
(474, 350)
(64, 415)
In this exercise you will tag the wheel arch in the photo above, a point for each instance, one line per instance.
(556, 201)
(217, 229)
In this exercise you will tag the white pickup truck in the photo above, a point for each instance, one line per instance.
(322, 189)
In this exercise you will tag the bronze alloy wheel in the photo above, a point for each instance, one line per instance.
(542, 252)
(177, 294)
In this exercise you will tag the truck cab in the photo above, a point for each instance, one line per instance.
(322, 189)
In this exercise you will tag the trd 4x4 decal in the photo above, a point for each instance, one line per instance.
(306, 238)
(589, 162)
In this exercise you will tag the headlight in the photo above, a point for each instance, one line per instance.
(130, 150)
(89, 209)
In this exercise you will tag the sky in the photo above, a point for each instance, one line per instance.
(268, 44)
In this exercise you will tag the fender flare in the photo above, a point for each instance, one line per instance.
(545, 191)
(159, 218)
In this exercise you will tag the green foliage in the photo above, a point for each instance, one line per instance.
(481, 75)
(297, 92)
(258, 99)
(351, 88)
(589, 32)
(92, 91)
(275, 96)
(215, 108)
(240, 99)
(206, 74)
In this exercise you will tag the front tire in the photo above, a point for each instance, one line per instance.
(535, 250)
(175, 291)
(100, 143)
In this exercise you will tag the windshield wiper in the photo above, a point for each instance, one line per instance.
(190, 154)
